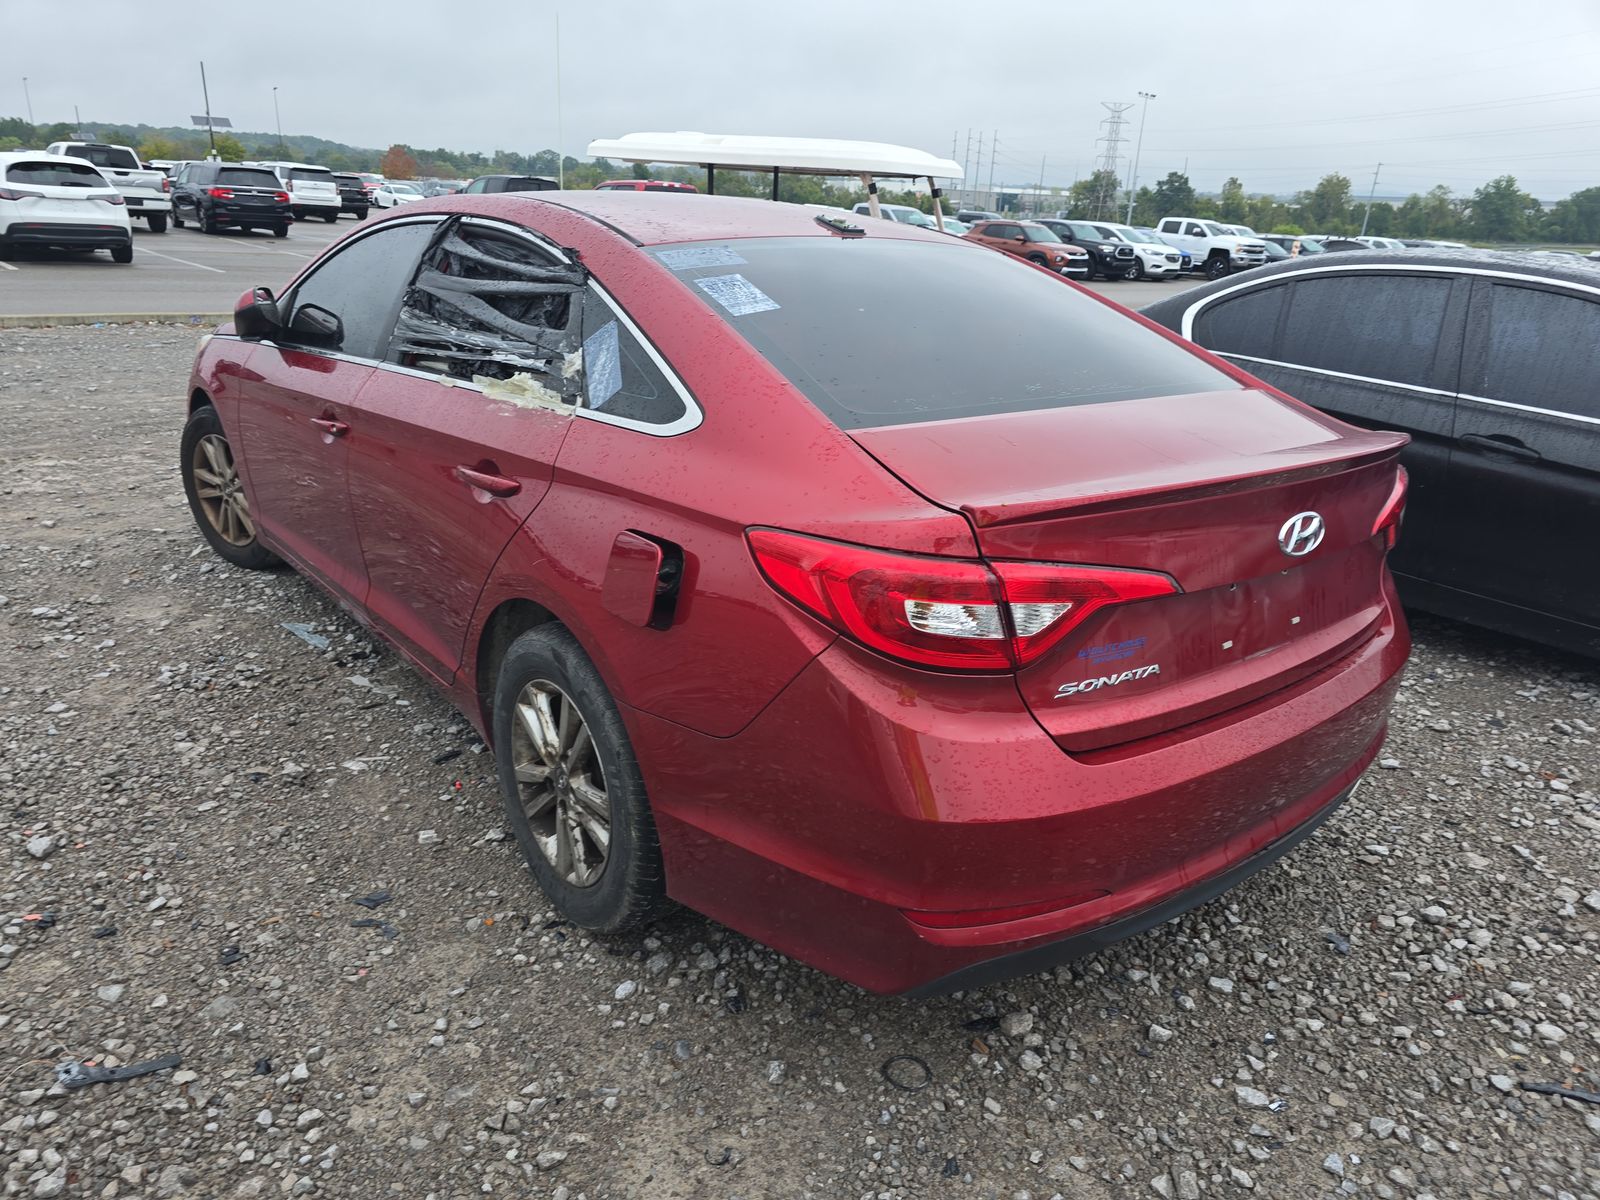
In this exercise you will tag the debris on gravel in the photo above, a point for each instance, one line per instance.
(176, 741)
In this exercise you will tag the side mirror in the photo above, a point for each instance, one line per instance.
(317, 326)
(256, 314)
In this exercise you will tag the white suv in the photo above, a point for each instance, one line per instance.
(1156, 259)
(903, 213)
(313, 191)
(55, 201)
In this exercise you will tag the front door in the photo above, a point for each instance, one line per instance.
(295, 408)
(461, 429)
(1525, 464)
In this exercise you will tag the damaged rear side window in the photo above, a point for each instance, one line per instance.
(490, 306)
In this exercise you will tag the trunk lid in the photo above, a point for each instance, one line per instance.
(1197, 487)
(73, 205)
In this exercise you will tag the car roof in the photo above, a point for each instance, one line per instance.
(649, 219)
(11, 156)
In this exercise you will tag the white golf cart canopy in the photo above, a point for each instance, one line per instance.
(870, 161)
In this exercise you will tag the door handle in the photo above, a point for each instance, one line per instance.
(331, 427)
(495, 485)
(1501, 444)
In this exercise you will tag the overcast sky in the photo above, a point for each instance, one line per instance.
(1439, 92)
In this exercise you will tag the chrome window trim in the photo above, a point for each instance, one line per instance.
(1273, 362)
(1528, 408)
(1411, 387)
(1543, 281)
(1189, 314)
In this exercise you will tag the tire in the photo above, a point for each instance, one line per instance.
(158, 222)
(621, 888)
(7, 251)
(1037, 260)
(177, 217)
(330, 218)
(208, 222)
(281, 230)
(361, 214)
(122, 254)
(1135, 269)
(224, 515)
(1216, 267)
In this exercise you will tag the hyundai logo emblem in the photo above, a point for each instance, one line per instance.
(1301, 534)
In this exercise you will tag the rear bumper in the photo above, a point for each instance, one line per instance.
(865, 798)
(69, 237)
(246, 214)
(141, 206)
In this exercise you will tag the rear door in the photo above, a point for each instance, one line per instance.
(461, 426)
(1525, 464)
(295, 414)
(1380, 350)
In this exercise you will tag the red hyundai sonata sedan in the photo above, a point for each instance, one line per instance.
(926, 657)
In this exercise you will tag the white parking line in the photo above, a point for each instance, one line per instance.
(7, 266)
(184, 261)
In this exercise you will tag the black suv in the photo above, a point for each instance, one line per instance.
(352, 194)
(1114, 260)
(511, 183)
(215, 194)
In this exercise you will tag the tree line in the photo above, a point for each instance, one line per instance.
(1499, 211)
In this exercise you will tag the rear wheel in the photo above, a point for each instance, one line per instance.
(208, 222)
(330, 218)
(216, 493)
(122, 254)
(281, 230)
(177, 217)
(7, 251)
(158, 222)
(572, 789)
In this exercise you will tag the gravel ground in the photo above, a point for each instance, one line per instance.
(196, 798)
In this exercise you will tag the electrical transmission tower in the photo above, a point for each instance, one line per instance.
(1107, 167)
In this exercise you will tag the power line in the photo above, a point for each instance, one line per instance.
(1106, 169)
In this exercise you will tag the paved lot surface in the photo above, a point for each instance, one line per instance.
(186, 271)
(195, 796)
(179, 271)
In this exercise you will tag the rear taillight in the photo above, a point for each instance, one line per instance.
(116, 198)
(281, 197)
(9, 194)
(220, 193)
(1394, 508)
(166, 184)
(956, 613)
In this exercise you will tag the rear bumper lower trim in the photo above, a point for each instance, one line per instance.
(1052, 954)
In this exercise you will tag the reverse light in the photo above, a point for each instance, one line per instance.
(1393, 510)
(954, 613)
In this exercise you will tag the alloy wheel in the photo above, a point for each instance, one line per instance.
(560, 783)
(221, 494)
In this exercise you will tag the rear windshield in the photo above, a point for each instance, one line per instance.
(53, 174)
(880, 331)
(248, 177)
(523, 183)
(311, 174)
(108, 156)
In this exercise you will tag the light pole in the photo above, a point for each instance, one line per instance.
(1133, 176)
(28, 98)
(276, 116)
